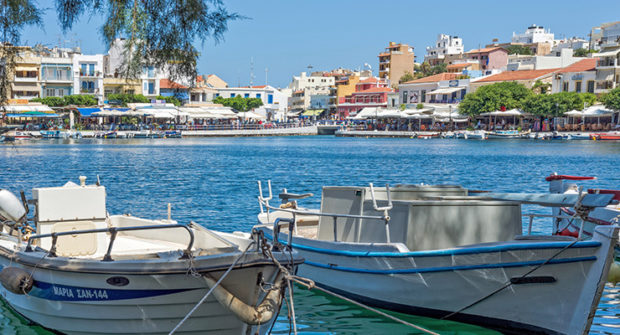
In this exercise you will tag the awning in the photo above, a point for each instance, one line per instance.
(28, 88)
(109, 113)
(606, 54)
(26, 68)
(250, 115)
(512, 112)
(33, 114)
(313, 112)
(86, 112)
(447, 90)
(27, 108)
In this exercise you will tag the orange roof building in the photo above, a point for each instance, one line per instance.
(525, 77)
(493, 58)
(395, 61)
(578, 77)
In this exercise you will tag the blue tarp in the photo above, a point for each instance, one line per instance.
(88, 111)
(33, 115)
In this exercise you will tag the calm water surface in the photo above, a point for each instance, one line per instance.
(213, 181)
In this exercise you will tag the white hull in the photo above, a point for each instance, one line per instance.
(436, 283)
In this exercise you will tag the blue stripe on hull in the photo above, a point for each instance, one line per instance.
(453, 268)
(447, 252)
(57, 292)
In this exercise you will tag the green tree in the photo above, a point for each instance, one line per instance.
(494, 97)
(439, 68)
(408, 76)
(541, 87)
(124, 98)
(581, 52)
(51, 101)
(557, 104)
(158, 33)
(254, 103)
(611, 100)
(239, 103)
(80, 100)
(171, 100)
(518, 50)
(419, 106)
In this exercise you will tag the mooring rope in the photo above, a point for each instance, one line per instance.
(202, 300)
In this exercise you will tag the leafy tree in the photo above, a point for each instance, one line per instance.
(581, 52)
(239, 103)
(408, 76)
(518, 50)
(402, 107)
(557, 104)
(158, 33)
(494, 97)
(125, 98)
(611, 100)
(171, 100)
(419, 106)
(80, 100)
(254, 103)
(439, 68)
(51, 101)
(541, 87)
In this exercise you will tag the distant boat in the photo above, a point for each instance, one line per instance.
(609, 136)
(580, 136)
(505, 134)
(52, 134)
(173, 134)
(327, 129)
(437, 251)
(426, 136)
(15, 135)
(475, 135)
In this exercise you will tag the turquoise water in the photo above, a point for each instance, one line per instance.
(213, 181)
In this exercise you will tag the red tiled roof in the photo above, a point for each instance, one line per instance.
(371, 80)
(165, 83)
(383, 54)
(260, 86)
(483, 50)
(199, 79)
(434, 78)
(298, 92)
(375, 90)
(588, 64)
(517, 75)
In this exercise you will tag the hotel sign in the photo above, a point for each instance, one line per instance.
(578, 76)
(453, 83)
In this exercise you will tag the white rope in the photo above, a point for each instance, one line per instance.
(211, 290)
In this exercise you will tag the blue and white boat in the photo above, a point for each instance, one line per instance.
(505, 134)
(75, 269)
(438, 251)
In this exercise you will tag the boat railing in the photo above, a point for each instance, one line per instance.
(531, 216)
(264, 202)
(113, 232)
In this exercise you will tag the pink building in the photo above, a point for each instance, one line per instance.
(494, 58)
(371, 92)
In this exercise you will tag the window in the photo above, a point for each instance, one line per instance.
(49, 92)
(590, 86)
(423, 96)
(91, 69)
(151, 88)
(232, 95)
(270, 98)
(258, 95)
(565, 86)
(578, 86)
(217, 95)
(61, 92)
(83, 70)
(247, 95)
(405, 94)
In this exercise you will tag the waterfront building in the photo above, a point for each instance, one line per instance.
(88, 75)
(441, 88)
(275, 102)
(535, 62)
(525, 77)
(539, 48)
(445, 46)
(112, 85)
(607, 69)
(605, 36)
(304, 86)
(169, 88)
(397, 59)
(471, 69)
(493, 58)
(578, 77)
(205, 89)
(393, 99)
(370, 92)
(25, 78)
(57, 71)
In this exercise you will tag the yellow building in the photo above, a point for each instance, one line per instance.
(395, 61)
(346, 87)
(121, 85)
(24, 76)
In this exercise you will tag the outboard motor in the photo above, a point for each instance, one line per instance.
(11, 208)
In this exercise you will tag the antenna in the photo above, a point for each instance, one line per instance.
(251, 71)
(309, 69)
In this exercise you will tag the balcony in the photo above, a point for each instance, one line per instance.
(25, 79)
(89, 91)
(607, 62)
(88, 74)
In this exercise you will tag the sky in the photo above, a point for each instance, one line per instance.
(287, 36)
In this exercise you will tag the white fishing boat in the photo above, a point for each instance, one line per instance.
(475, 135)
(566, 222)
(438, 251)
(505, 134)
(75, 269)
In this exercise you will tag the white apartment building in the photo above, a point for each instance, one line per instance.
(526, 62)
(275, 102)
(303, 81)
(568, 43)
(534, 34)
(579, 77)
(445, 45)
(88, 75)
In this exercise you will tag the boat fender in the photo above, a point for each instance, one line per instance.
(251, 315)
(614, 273)
(16, 280)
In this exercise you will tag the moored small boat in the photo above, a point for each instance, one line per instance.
(173, 134)
(438, 251)
(609, 136)
(75, 269)
(475, 135)
(505, 134)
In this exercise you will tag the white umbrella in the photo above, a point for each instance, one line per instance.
(250, 115)
(574, 113)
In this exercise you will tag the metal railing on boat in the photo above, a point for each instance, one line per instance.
(556, 229)
(113, 232)
(264, 201)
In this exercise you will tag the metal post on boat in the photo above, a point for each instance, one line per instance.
(335, 228)
(169, 212)
(262, 199)
(385, 209)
